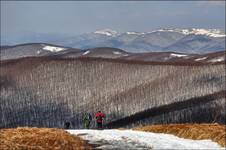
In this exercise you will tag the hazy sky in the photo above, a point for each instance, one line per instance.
(18, 18)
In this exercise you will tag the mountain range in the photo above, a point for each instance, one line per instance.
(46, 85)
(56, 51)
(177, 40)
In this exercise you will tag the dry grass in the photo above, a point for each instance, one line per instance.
(40, 139)
(215, 132)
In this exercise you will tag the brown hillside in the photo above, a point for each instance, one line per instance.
(46, 92)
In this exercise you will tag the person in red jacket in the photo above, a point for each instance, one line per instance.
(99, 119)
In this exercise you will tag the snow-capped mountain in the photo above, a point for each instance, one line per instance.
(178, 40)
(206, 32)
(170, 39)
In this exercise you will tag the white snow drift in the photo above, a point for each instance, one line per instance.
(129, 139)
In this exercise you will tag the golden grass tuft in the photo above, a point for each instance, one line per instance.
(215, 132)
(40, 139)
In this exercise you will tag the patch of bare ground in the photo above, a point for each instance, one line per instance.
(215, 132)
(40, 139)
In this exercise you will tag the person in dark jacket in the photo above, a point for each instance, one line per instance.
(67, 125)
(87, 119)
(99, 119)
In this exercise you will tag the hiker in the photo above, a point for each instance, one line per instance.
(87, 119)
(67, 125)
(99, 119)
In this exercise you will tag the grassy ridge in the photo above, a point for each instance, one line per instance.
(40, 139)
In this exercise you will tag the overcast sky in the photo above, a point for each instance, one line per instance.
(18, 18)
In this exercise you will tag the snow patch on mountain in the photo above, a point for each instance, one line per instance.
(219, 59)
(53, 48)
(117, 53)
(107, 32)
(178, 55)
(195, 31)
(135, 33)
(207, 32)
(199, 59)
(87, 52)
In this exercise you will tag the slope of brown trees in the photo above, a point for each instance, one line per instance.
(46, 92)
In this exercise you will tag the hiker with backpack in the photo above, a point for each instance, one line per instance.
(87, 120)
(99, 119)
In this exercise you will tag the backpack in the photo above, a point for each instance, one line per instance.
(99, 118)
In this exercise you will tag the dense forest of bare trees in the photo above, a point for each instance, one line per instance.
(48, 92)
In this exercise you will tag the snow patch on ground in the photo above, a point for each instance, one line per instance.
(129, 139)
(199, 59)
(219, 59)
(177, 55)
(87, 52)
(53, 48)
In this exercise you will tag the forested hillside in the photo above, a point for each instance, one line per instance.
(46, 92)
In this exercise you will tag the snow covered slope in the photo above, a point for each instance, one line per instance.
(129, 139)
